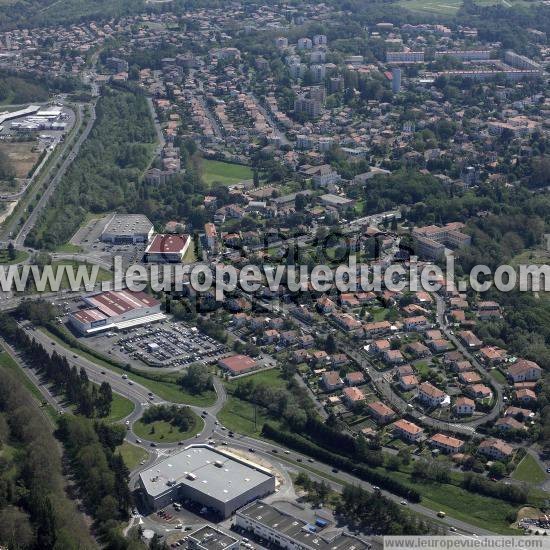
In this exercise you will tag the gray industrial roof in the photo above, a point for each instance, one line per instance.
(297, 529)
(128, 224)
(212, 539)
(207, 470)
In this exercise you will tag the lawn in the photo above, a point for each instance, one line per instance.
(163, 432)
(450, 7)
(68, 248)
(226, 173)
(529, 470)
(485, 512)
(120, 408)
(132, 455)
(167, 388)
(20, 256)
(238, 415)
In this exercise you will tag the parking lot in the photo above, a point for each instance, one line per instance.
(166, 344)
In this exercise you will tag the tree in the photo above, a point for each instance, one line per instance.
(330, 344)
(12, 254)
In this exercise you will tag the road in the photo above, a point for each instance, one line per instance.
(287, 460)
(33, 217)
(496, 386)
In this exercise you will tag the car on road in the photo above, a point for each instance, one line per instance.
(311, 460)
(251, 450)
(75, 356)
(102, 372)
(335, 470)
(138, 441)
(153, 444)
(404, 502)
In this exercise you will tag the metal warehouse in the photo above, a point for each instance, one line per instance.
(127, 228)
(115, 310)
(210, 477)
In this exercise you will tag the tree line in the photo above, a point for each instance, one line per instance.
(101, 476)
(91, 400)
(353, 466)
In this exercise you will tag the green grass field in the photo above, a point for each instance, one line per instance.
(120, 408)
(529, 470)
(131, 454)
(238, 414)
(20, 256)
(215, 171)
(450, 7)
(163, 432)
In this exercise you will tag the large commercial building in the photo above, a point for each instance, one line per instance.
(167, 248)
(432, 240)
(115, 310)
(127, 228)
(215, 479)
(291, 533)
(210, 538)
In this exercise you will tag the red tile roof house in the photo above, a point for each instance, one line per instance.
(349, 300)
(440, 345)
(496, 449)
(446, 443)
(508, 423)
(377, 329)
(353, 396)
(381, 412)
(479, 391)
(462, 366)
(525, 396)
(408, 382)
(407, 430)
(238, 364)
(418, 349)
(431, 395)
(518, 412)
(380, 346)
(404, 370)
(451, 357)
(325, 305)
(524, 370)
(347, 322)
(464, 406)
(416, 323)
(469, 377)
(332, 381)
(433, 334)
(470, 340)
(491, 355)
(339, 359)
(393, 356)
(355, 378)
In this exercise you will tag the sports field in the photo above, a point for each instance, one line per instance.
(450, 7)
(215, 171)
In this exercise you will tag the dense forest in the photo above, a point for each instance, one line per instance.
(105, 174)
(35, 512)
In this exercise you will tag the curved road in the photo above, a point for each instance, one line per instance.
(282, 458)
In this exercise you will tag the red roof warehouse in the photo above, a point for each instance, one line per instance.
(238, 364)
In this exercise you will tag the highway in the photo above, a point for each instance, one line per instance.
(33, 217)
(285, 459)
